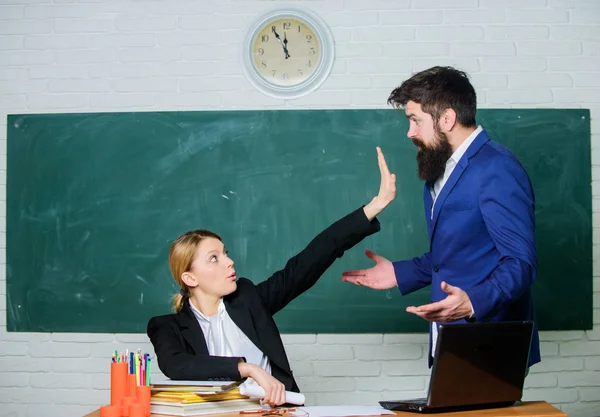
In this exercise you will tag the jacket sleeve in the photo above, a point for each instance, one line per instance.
(176, 363)
(302, 271)
(413, 274)
(507, 206)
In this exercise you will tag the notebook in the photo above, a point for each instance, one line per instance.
(206, 387)
(476, 366)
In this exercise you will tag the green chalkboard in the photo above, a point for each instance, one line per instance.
(94, 200)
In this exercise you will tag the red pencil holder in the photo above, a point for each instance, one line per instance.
(131, 385)
(110, 411)
(137, 410)
(143, 397)
(126, 403)
(118, 382)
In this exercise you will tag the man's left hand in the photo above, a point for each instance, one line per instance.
(455, 306)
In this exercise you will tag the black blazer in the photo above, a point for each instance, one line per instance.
(178, 338)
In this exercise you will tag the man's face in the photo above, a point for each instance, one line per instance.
(434, 148)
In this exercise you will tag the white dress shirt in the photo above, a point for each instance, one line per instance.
(224, 338)
(435, 192)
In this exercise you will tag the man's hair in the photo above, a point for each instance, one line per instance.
(437, 89)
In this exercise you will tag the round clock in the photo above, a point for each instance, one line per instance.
(288, 53)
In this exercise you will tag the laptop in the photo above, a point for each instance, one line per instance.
(475, 366)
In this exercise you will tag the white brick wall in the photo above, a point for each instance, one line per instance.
(117, 55)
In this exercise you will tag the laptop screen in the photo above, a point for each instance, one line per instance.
(479, 363)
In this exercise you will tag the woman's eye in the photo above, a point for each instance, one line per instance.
(213, 259)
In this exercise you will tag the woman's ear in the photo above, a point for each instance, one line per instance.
(189, 279)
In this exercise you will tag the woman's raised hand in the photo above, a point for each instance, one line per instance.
(387, 189)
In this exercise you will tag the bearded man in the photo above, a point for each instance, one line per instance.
(480, 211)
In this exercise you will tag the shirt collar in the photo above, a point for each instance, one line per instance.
(201, 316)
(460, 151)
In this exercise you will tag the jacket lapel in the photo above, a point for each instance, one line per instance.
(191, 330)
(462, 164)
(428, 202)
(450, 183)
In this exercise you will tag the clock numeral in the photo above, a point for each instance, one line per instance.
(274, 72)
(263, 64)
(285, 76)
(261, 51)
(308, 38)
(312, 51)
(298, 28)
(264, 38)
(286, 25)
(309, 64)
(300, 73)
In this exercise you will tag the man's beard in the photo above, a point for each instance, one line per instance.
(432, 161)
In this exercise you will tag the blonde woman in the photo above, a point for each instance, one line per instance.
(223, 328)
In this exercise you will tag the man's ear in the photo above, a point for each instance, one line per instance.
(447, 120)
(189, 280)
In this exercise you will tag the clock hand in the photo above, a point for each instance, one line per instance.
(285, 41)
(287, 55)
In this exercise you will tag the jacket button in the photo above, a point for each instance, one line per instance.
(436, 268)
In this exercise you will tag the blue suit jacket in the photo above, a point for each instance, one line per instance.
(482, 238)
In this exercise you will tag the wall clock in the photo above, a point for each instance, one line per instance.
(288, 52)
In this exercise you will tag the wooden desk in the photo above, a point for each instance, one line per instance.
(526, 409)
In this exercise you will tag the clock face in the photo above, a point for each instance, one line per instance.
(286, 51)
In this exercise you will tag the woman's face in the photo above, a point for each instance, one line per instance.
(213, 269)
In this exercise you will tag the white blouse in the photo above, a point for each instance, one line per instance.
(224, 338)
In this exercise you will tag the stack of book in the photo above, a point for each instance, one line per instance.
(194, 398)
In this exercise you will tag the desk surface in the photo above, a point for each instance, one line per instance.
(526, 409)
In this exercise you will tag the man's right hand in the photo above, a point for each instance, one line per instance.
(274, 390)
(379, 277)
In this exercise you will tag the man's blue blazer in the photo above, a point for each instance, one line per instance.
(482, 238)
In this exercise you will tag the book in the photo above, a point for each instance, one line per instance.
(202, 408)
(190, 397)
(195, 386)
